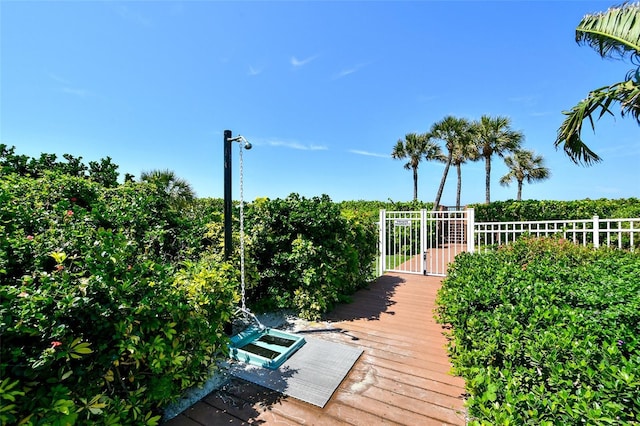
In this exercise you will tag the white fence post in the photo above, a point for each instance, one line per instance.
(596, 232)
(471, 218)
(423, 240)
(381, 241)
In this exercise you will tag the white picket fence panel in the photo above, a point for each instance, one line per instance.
(422, 242)
(425, 242)
(596, 232)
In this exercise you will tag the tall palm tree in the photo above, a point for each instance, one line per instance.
(464, 150)
(452, 131)
(524, 165)
(614, 34)
(416, 147)
(494, 135)
(179, 190)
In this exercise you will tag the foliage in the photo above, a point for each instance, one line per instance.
(103, 318)
(179, 190)
(369, 211)
(510, 210)
(416, 147)
(464, 150)
(546, 332)
(456, 133)
(614, 34)
(103, 172)
(493, 135)
(532, 210)
(524, 165)
(308, 255)
(114, 297)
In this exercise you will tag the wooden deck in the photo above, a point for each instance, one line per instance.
(402, 378)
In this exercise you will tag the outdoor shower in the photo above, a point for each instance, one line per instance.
(257, 345)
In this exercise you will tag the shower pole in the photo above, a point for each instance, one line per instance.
(227, 195)
(228, 326)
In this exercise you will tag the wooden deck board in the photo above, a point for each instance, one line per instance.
(402, 378)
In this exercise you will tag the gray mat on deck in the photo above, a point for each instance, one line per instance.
(311, 374)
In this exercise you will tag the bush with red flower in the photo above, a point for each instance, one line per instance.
(97, 315)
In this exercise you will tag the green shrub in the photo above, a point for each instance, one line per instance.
(510, 210)
(534, 210)
(103, 172)
(546, 332)
(308, 255)
(370, 210)
(103, 319)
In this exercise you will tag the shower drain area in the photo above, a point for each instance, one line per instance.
(267, 347)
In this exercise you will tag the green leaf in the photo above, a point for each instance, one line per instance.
(79, 348)
(613, 32)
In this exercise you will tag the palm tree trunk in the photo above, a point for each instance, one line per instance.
(459, 188)
(520, 190)
(436, 204)
(487, 179)
(415, 184)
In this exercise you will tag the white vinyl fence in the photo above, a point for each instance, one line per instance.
(422, 242)
(596, 232)
(425, 242)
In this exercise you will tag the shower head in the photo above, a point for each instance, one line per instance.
(240, 138)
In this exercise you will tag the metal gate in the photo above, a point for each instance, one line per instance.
(423, 242)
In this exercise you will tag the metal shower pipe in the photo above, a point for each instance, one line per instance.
(228, 199)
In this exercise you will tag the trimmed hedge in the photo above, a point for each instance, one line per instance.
(370, 210)
(533, 210)
(546, 332)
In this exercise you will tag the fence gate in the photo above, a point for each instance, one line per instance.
(423, 242)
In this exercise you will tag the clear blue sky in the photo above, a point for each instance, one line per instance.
(322, 89)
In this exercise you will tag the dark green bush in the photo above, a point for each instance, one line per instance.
(546, 332)
(113, 298)
(103, 318)
(103, 172)
(510, 210)
(308, 255)
(533, 210)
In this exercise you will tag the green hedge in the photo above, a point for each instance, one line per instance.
(370, 210)
(307, 254)
(545, 332)
(511, 210)
(113, 299)
(103, 319)
(532, 210)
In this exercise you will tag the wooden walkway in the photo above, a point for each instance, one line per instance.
(402, 378)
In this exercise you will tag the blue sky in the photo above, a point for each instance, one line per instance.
(322, 89)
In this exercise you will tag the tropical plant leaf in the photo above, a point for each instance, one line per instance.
(627, 93)
(613, 33)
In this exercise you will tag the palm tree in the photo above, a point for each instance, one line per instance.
(416, 147)
(524, 165)
(614, 34)
(179, 190)
(494, 135)
(464, 150)
(453, 131)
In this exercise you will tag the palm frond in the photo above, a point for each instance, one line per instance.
(627, 93)
(613, 33)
